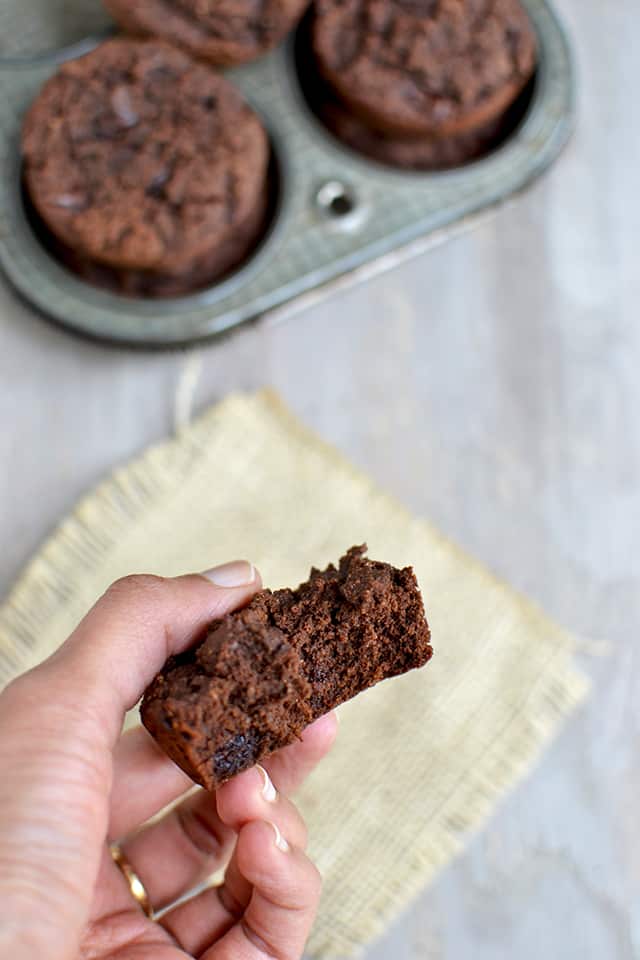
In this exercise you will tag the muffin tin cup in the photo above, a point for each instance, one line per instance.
(338, 214)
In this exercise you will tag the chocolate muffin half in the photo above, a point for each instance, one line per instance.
(147, 168)
(265, 672)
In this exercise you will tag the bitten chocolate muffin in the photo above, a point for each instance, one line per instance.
(225, 32)
(265, 672)
(423, 84)
(148, 168)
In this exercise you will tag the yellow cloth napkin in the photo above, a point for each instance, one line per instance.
(420, 760)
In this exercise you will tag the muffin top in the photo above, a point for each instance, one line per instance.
(137, 156)
(425, 67)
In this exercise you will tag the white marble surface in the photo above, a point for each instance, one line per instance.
(493, 386)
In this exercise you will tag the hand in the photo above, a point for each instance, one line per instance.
(70, 784)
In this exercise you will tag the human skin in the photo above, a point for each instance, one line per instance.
(71, 784)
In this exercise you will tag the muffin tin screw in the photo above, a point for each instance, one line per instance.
(335, 200)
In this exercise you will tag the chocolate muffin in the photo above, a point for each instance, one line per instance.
(422, 83)
(147, 168)
(264, 673)
(225, 32)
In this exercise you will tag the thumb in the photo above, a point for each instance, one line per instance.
(58, 725)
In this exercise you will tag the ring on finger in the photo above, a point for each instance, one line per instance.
(136, 886)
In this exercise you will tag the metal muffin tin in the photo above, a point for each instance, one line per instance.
(338, 214)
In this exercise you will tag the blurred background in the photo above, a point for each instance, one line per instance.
(492, 386)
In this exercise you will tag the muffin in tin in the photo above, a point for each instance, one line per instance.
(224, 32)
(147, 169)
(422, 83)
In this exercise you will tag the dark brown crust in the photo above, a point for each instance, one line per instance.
(139, 159)
(425, 67)
(224, 32)
(264, 673)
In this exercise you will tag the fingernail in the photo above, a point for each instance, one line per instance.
(281, 843)
(240, 573)
(268, 791)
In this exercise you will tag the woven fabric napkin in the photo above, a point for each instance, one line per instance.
(420, 761)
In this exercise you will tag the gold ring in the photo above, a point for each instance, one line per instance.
(137, 887)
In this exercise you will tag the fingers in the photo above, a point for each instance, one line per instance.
(286, 892)
(144, 781)
(174, 854)
(251, 796)
(276, 914)
(196, 838)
